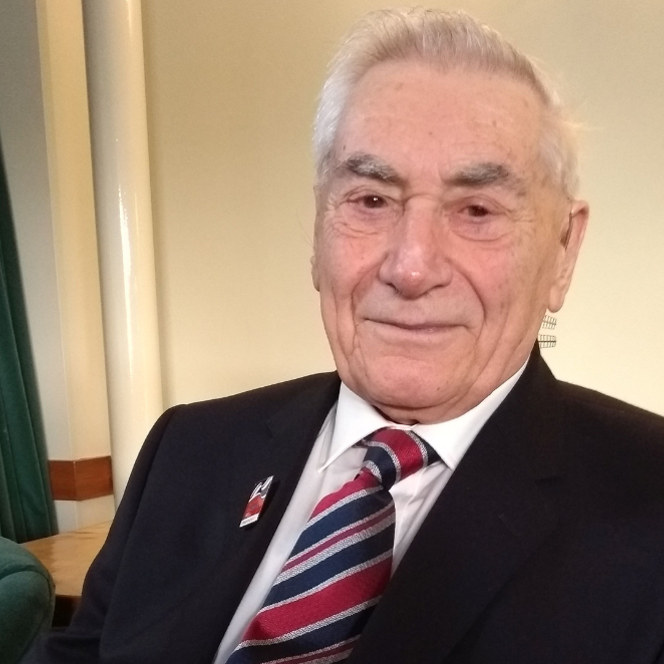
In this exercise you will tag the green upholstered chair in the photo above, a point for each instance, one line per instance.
(27, 598)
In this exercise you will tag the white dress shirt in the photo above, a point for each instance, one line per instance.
(334, 460)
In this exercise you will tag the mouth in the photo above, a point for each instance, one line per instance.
(420, 328)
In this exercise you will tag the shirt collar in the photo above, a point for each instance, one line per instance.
(355, 419)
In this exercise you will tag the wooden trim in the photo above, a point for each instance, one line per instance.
(81, 479)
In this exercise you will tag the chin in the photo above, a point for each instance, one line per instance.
(404, 386)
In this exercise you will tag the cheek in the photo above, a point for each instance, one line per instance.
(492, 276)
(337, 281)
(516, 287)
(346, 265)
(500, 280)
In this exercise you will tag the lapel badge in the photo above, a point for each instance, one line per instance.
(256, 502)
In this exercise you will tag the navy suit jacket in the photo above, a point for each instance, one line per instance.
(546, 546)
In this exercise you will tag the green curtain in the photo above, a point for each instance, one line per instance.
(26, 505)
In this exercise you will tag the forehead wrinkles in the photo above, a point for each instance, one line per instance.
(409, 107)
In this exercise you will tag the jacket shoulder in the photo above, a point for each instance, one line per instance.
(262, 402)
(608, 414)
(617, 449)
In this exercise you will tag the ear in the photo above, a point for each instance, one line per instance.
(318, 196)
(570, 244)
(314, 272)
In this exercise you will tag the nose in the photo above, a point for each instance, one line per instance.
(416, 261)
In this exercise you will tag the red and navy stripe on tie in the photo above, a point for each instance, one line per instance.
(340, 565)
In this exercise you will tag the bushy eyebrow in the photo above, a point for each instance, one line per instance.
(486, 174)
(474, 176)
(368, 166)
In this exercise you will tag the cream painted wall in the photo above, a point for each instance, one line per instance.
(231, 95)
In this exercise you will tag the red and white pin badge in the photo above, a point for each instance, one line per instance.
(256, 502)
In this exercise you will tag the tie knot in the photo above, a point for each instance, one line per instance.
(394, 454)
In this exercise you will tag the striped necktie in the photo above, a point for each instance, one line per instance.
(340, 565)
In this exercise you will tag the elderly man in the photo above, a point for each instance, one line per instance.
(448, 500)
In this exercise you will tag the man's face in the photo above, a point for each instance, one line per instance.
(438, 238)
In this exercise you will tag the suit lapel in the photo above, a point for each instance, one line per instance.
(290, 434)
(490, 518)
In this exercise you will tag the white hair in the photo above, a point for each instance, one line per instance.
(446, 40)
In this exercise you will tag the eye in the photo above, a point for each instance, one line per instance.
(372, 202)
(478, 219)
(477, 211)
(371, 207)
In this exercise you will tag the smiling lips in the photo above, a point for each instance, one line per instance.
(422, 328)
